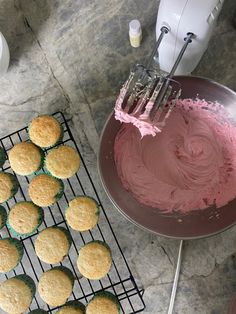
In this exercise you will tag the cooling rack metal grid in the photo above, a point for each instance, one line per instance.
(119, 281)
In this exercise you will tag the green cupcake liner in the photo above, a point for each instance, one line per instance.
(61, 136)
(40, 220)
(3, 215)
(15, 184)
(3, 157)
(108, 295)
(29, 282)
(38, 311)
(75, 304)
(18, 246)
(61, 191)
(58, 142)
(42, 159)
(65, 270)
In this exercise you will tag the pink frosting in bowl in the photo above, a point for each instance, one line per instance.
(190, 165)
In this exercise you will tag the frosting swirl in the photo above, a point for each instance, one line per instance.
(189, 165)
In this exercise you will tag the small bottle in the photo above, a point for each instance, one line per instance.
(135, 33)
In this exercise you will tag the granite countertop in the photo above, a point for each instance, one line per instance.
(73, 56)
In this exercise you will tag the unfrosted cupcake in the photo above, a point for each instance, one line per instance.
(11, 253)
(9, 186)
(16, 294)
(2, 156)
(63, 162)
(24, 218)
(52, 244)
(44, 190)
(56, 285)
(72, 307)
(94, 260)
(45, 131)
(3, 217)
(82, 213)
(26, 158)
(103, 303)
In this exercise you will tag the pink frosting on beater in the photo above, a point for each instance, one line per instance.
(143, 123)
(190, 165)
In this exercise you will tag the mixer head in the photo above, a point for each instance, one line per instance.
(148, 96)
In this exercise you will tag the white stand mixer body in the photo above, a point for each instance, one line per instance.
(183, 16)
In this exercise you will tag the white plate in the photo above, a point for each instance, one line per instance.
(4, 55)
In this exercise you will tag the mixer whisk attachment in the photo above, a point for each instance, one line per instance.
(148, 96)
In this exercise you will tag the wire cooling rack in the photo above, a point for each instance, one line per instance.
(119, 281)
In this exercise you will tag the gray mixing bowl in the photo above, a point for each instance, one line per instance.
(197, 224)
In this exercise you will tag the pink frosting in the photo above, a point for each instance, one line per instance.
(190, 165)
(141, 121)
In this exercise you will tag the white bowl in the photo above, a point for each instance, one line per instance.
(4, 55)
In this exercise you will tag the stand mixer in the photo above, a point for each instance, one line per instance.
(180, 17)
(149, 94)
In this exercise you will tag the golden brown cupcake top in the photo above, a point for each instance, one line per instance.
(55, 287)
(15, 296)
(82, 213)
(45, 131)
(44, 190)
(63, 162)
(25, 158)
(24, 217)
(9, 255)
(7, 185)
(94, 260)
(103, 304)
(52, 245)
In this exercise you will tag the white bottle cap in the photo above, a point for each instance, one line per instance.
(135, 28)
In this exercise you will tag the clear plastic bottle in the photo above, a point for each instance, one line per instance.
(135, 33)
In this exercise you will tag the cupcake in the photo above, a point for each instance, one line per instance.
(24, 218)
(56, 285)
(16, 294)
(9, 186)
(104, 303)
(44, 190)
(2, 157)
(11, 253)
(94, 260)
(26, 158)
(38, 311)
(82, 213)
(53, 244)
(63, 162)
(3, 217)
(45, 131)
(72, 307)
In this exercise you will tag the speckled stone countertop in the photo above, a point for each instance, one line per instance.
(73, 55)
